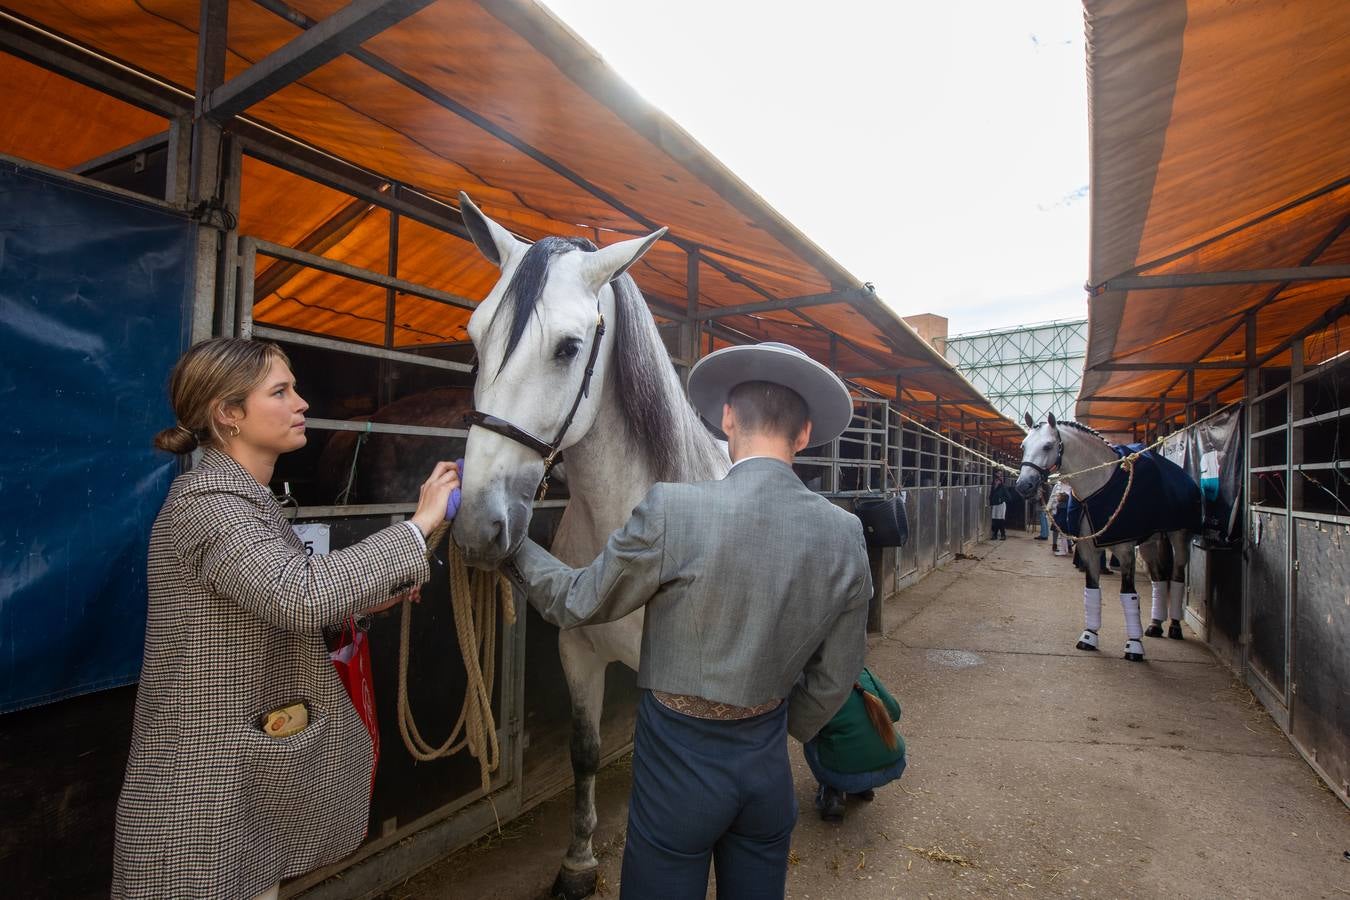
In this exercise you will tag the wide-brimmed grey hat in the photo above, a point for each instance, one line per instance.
(828, 404)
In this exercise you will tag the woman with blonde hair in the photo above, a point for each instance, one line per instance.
(248, 762)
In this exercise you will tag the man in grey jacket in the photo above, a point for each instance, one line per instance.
(756, 592)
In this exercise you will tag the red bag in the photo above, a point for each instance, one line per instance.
(352, 661)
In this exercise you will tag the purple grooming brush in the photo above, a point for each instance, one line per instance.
(452, 505)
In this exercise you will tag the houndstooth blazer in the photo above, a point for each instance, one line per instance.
(211, 806)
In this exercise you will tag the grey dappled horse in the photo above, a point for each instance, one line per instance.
(1085, 456)
(560, 304)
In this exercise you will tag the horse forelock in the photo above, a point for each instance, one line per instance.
(656, 415)
(527, 284)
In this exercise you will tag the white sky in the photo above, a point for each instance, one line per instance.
(936, 149)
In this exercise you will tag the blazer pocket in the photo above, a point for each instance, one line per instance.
(285, 775)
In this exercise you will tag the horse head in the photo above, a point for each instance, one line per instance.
(1042, 453)
(536, 334)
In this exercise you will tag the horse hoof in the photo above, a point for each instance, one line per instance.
(1087, 641)
(571, 885)
(1134, 650)
(1154, 630)
(1174, 632)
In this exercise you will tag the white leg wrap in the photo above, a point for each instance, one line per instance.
(1178, 599)
(1130, 604)
(1092, 609)
(1159, 600)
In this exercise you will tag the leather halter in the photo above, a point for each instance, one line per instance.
(547, 449)
(1059, 458)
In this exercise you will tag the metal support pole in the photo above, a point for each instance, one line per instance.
(693, 327)
(387, 371)
(1190, 397)
(1293, 502)
(204, 165)
(1252, 388)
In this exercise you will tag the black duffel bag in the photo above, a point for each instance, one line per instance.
(884, 521)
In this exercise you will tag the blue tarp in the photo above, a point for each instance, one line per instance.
(94, 295)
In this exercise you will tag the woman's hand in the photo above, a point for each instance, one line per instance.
(435, 496)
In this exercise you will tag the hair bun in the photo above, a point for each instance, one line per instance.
(178, 440)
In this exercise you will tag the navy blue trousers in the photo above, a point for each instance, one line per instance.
(705, 792)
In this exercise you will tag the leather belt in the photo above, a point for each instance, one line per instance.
(702, 708)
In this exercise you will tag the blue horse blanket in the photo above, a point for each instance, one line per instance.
(1162, 498)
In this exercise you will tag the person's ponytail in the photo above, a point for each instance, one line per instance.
(177, 440)
(878, 716)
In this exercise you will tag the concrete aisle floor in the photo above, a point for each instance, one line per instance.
(1035, 769)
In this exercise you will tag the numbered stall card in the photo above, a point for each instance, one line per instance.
(314, 535)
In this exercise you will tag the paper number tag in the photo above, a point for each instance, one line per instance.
(314, 535)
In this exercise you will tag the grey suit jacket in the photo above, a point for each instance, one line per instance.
(755, 587)
(211, 806)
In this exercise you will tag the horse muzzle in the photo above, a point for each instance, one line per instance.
(1027, 483)
(491, 525)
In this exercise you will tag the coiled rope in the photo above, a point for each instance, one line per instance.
(475, 597)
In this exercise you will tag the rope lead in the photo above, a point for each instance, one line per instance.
(474, 599)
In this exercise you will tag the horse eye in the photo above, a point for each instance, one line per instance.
(567, 348)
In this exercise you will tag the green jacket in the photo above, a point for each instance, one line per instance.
(849, 744)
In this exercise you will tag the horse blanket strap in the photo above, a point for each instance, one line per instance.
(700, 708)
(547, 449)
(1162, 498)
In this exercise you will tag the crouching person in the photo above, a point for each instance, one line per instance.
(859, 750)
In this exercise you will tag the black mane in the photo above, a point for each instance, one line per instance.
(1079, 426)
(527, 285)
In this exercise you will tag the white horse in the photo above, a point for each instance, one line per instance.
(1086, 456)
(562, 307)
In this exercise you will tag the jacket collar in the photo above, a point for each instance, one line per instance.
(760, 464)
(220, 464)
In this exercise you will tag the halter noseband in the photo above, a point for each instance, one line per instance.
(547, 449)
(1059, 458)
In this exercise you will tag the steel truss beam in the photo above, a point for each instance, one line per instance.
(1178, 366)
(340, 33)
(1107, 399)
(849, 295)
(144, 145)
(1212, 279)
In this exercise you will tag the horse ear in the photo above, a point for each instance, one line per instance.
(1050, 417)
(491, 239)
(608, 263)
(1030, 424)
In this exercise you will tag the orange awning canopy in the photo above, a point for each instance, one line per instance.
(498, 99)
(1220, 144)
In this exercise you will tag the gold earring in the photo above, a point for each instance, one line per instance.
(234, 430)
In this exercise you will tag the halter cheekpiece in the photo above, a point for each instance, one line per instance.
(547, 449)
(1059, 458)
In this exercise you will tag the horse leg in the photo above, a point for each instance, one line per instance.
(1155, 552)
(1180, 544)
(1129, 604)
(1092, 595)
(584, 670)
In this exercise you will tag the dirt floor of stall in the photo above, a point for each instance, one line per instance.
(1035, 769)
